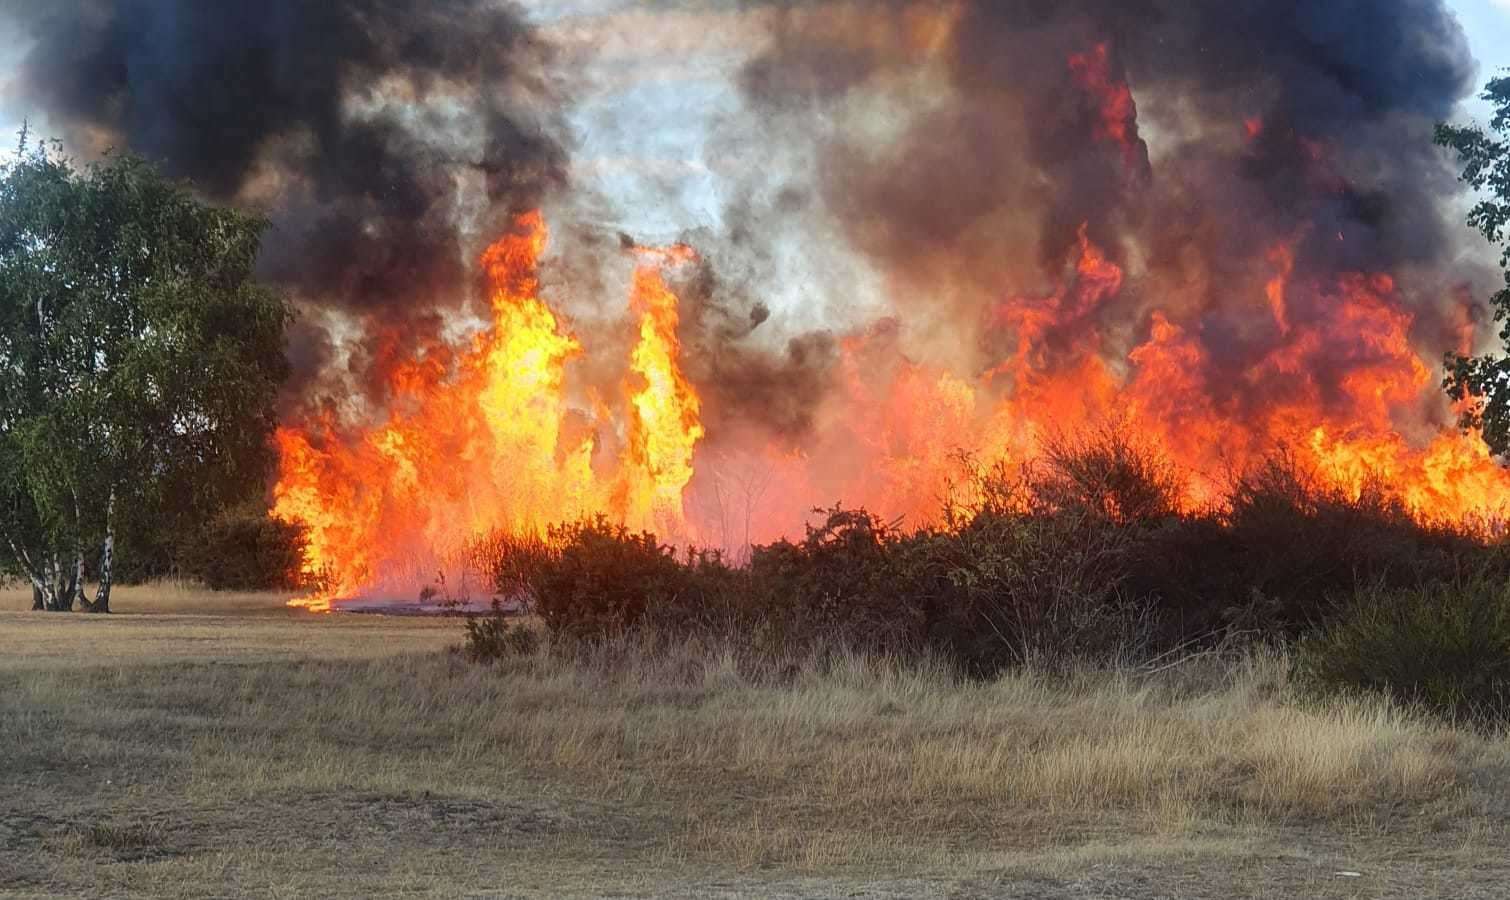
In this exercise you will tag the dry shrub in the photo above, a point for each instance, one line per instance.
(1084, 556)
(1444, 647)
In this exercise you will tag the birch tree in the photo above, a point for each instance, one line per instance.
(139, 365)
(1481, 384)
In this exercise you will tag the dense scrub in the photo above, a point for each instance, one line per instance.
(1445, 647)
(1088, 556)
(245, 549)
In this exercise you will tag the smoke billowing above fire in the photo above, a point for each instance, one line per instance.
(380, 136)
(890, 231)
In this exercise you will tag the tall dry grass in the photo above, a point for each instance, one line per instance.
(326, 743)
(871, 746)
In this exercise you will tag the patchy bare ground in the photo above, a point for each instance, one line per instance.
(200, 745)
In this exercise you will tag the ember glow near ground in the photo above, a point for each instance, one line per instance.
(198, 745)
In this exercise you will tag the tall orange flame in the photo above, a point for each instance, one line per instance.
(665, 424)
(482, 443)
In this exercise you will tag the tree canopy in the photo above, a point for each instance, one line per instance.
(139, 366)
(1482, 383)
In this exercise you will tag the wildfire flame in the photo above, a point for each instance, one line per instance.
(665, 427)
(492, 436)
(481, 442)
(1345, 427)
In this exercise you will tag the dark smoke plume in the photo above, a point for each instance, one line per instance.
(1362, 78)
(375, 133)
(1256, 124)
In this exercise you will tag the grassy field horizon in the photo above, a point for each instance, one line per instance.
(199, 744)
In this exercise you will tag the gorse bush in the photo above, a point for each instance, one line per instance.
(510, 561)
(1004, 589)
(1302, 542)
(1445, 647)
(1010, 587)
(1284, 548)
(1104, 475)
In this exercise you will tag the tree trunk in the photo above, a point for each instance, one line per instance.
(76, 580)
(46, 579)
(101, 602)
(57, 595)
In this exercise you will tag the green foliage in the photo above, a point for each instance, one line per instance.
(1482, 383)
(139, 362)
(595, 579)
(246, 549)
(1444, 646)
(491, 638)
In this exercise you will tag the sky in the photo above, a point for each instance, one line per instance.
(1487, 23)
(643, 142)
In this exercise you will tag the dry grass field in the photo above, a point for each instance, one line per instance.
(218, 745)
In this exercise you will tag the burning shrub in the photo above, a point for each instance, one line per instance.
(510, 561)
(1303, 544)
(1445, 647)
(1103, 473)
(1085, 557)
(1283, 548)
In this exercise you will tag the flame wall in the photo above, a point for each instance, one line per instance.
(895, 230)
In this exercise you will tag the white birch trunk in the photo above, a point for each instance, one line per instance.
(55, 593)
(101, 602)
(34, 577)
(76, 590)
